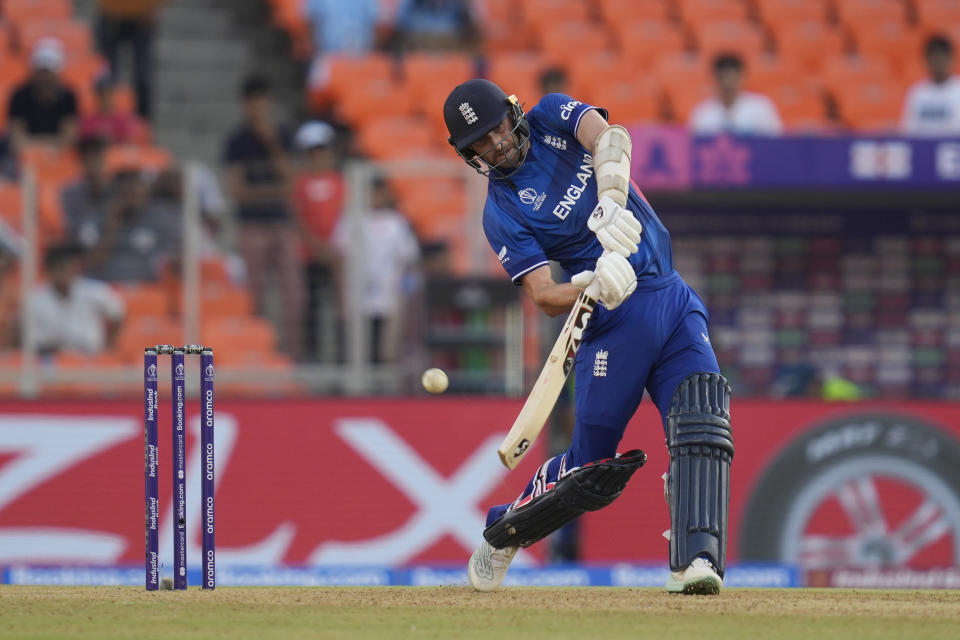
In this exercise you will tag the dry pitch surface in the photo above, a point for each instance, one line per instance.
(385, 613)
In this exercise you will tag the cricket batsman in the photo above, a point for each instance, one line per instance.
(559, 189)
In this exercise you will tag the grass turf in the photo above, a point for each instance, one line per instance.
(384, 613)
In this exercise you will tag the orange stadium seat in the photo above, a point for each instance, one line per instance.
(264, 373)
(50, 166)
(934, 14)
(393, 137)
(729, 36)
(225, 332)
(686, 80)
(10, 204)
(782, 13)
(430, 211)
(20, 11)
(51, 210)
(700, 11)
(367, 100)
(643, 41)
(614, 11)
(557, 40)
(137, 157)
(555, 11)
(6, 44)
(870, 105)
(593, 70)
(518, 73)
(429, 79)
(807, 44)
(767, 71)
(800, 104)
(219, 300)
(346, 71)
(631, 102)
(138, 332)
(500, 10)
(851, 11)
(842, 71)
(77, 364)
(887, 40)
(73, 34)
(504, 36)
(144, 299)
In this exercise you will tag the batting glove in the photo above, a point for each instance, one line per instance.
(616, 228)
(611, 282)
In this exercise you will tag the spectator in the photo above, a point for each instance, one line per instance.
(106, 121)
(258, 171)
(10, 243)
(169, 188)
(932, 107)
(70, 312)
(85, 201)
(553, 80)
(733, 110)
(140, 236)
(132, 21)
(389, 249)
(318, 199)
(43, 110)
(436, 25)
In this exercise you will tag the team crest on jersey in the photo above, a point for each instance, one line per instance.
(530, 196)
(600, 364)
(467, 112)
(556, 142)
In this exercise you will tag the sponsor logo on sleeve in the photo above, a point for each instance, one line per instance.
(567, 109)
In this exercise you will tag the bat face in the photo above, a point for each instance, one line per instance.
(543, 396)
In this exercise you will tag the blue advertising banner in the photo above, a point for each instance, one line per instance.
(669, 158)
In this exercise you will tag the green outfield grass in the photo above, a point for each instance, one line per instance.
(457, 612)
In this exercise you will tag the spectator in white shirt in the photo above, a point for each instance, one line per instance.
(733, 110)
(390, 251)
(932, 106)
(70, 312)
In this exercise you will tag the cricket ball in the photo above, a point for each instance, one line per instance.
(434, 380)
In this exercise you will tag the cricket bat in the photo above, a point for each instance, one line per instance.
(546, 390)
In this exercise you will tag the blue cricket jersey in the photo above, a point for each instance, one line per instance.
(540, 212)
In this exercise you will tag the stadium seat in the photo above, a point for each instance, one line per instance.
(347, 71)
(728, 36)
(74, 35)
(695, 12)
(137, 157)
(18, 12)
(842, 71)
(394, 137)
(778, 14)
(871, 106)
(593, 70)
(807, 44)
(536, 12)
(686, 81)
(642, 42)
(557, 40)
(933, 15)
(227, 332)
(144, 299)
(225, 301)
(849, 12)
(886, 39)
(630, 103)
(518, 73)
(766, 71)
(138, 332)
(615, 11)
(85, 368)
(369, 99)
(429, 78)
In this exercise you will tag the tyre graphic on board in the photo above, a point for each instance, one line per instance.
(864, 490)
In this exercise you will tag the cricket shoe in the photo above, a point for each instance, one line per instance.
(488, 566)
(699, 578)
